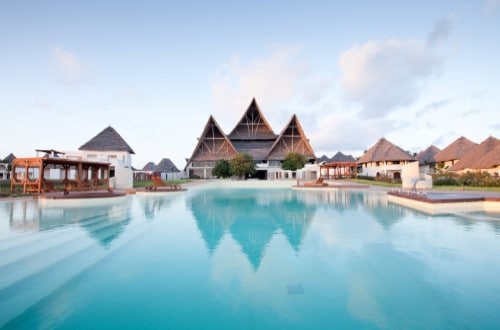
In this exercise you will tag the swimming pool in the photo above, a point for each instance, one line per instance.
(247, 259)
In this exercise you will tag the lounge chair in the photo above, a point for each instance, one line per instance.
(318, 183)
(157, 182)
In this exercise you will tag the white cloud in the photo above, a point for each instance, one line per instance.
(433, 107)
(69, 66)
(277, 80)
(383, 75)
(347, 133)
(440, 32)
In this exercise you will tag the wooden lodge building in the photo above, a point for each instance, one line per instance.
(252, 135)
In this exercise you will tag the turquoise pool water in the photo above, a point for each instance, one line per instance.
(247, 259)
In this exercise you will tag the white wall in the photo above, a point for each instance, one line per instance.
(119, 160)
(123, 179)
(412, 178)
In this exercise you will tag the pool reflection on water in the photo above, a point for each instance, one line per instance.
(247, 259)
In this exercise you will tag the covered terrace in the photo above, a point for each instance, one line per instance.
(45, 174)
(338, 170)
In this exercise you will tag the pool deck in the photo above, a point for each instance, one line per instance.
(81, 194)
(430, 201)
(443, 202)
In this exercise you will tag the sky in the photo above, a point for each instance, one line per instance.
(418, 73)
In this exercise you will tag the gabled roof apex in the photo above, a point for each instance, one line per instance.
(296, 143)
(252, 125)
(384, 150)
(455, 150)
(107, 140)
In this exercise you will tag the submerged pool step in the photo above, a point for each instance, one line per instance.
(19, 296)
(14, 253)
(21, 293)
(20, 240)
(18, 268)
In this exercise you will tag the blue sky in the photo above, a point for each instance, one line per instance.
(417, 73)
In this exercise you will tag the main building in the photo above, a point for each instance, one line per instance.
(252, 135)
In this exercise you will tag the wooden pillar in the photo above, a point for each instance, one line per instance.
(107, 176)
(25, 181)
(40, 175)
(79, 172)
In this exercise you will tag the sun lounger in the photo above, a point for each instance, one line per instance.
(158, 183)
(318, 183)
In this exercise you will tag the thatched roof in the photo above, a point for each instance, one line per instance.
(107, 140)
(257, 149)
(427, 156)
(322, 159)
(213, 144)
(383, 151)
(456, 150)
(491, 160)
(291, 139)
(9, 158)
(252, 125)
(340, 157)
(166, 166)
(474, 156)
(252, 135)
(150, 167)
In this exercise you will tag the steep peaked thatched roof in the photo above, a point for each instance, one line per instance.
(9, 158)
(213, 144)
(323, 158)
(150, 167)
(107, 140)
(291, 139)
(475, 155)
(252, 125)
(340, 157)
(166, 166)
(383, 151)
(427, 156)
(258, 149)
(456, 150)
(490, 160)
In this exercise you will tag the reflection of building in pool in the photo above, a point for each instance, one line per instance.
(357, 204)
(251, 219)
(151, 205)
(104, 223)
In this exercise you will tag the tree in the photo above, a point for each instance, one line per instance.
(222, 169)
(294, 161)
(242, 165)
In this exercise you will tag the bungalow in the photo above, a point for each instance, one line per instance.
(109, 146)
(490, 162)
(426, 161)
(473, 160)
(453, 152)
(167, 170)
(384, 159)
